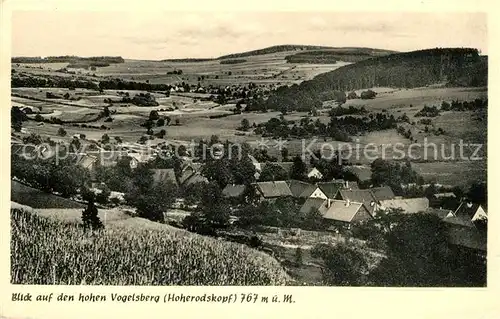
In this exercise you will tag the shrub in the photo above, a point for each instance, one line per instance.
(90, 219)
(368, 94)
(61, 132)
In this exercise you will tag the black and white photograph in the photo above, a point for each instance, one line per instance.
(238, 148)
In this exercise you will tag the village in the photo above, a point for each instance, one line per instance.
(341, 203)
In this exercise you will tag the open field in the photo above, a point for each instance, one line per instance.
(267, 69)
(461, 173)
(401, 99)
(262, 69)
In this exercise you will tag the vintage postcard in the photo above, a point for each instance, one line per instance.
(247, 160)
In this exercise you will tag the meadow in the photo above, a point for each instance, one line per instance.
(44, 251)
(261, 69)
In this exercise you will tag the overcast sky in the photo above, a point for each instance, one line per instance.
(161, 35)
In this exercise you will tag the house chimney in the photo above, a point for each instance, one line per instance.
(469, 204)
(347, 202)
(329, 203)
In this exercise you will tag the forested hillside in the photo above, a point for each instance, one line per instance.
(332, 55)
(407, 70)
(273, 49)
(455, 66)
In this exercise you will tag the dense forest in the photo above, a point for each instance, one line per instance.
(273, 49)
(331, 56)
(460, 67)
(319, 57)
(232, 61)
(408, 70)
(52, 81)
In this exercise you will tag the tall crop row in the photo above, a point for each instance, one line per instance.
(49, 252)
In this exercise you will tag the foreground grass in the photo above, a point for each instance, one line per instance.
(44, 251)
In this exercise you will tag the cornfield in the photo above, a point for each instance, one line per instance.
(45, 251)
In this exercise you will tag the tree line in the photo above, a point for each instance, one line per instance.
(338, 128)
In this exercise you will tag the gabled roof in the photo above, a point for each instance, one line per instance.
(408, 205)
(330, 188)
(342, 210)
(300, 189)
(233, 191)
(363, 173)
(273, 189)
(382, 193)
(468, 210)
(314, 203)
(364, 196)
(164, 175)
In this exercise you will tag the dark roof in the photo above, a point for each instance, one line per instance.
(467, 210)
(314, 203)
(300, 189)
(164, 175)
(382, 193)
(108, 158)
(352, 185)
(441, 213)
(459, 221)
(330, 188)
(364, 196)
(273, 189)
(363, 173)
(233, 190)
(194, 178)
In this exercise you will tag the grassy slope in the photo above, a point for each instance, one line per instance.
(51, 252)
(35, 198)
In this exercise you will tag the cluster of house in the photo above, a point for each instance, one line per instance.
(338, 200)
(463, 228)
(343, 203)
